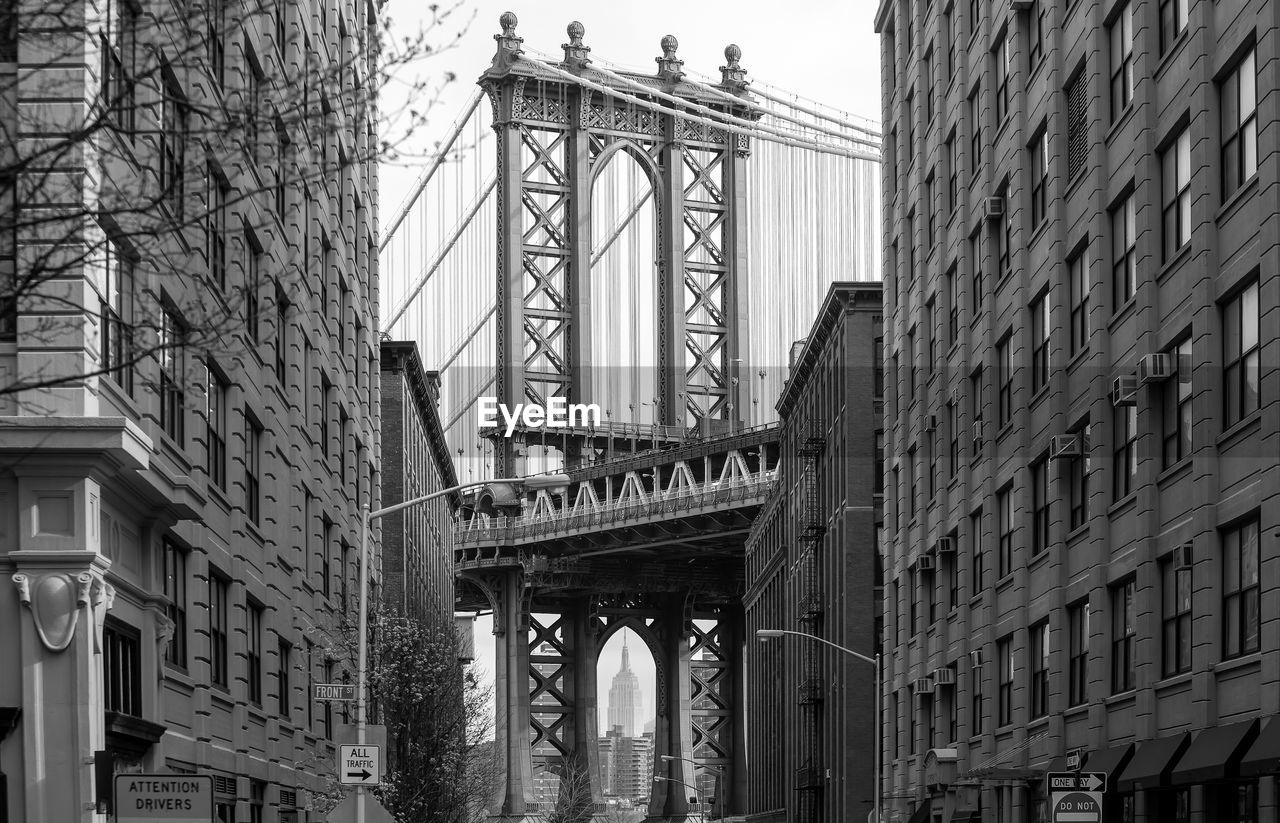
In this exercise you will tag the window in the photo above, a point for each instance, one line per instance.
(1240, 376)
(913, 363)
(1039, 507)
(254, 655)
(891, 149)
(953, 307)
(328, 704)
(1173, 22)
(343, 420)
(1124, 253)
(976, 713)
(252, 468)
(1174, 805)
(878, 480)
(216, 43)
(173, 342)
(1124, 468)
(326, 539)
(8, 247)
(117, 316)
(951, 34)
(173, 147)
(1078, 482)
(326, 443)
(929, 87)
(282, 153)
(1004, 521)
(951, 567)
(976, 555)
(309, 694)
(252, 282)
(975, 133)
(283, 667)
(119, 63)
(1040, 343)
(1077, 653)
(253, 83)
(281, 29)
(1003, 56)
(1004, 367)
(1004, 690)
(953, 709)
(121, 669)
(175, 594)
(953, 174)
(215, 227)
(282, 335)
(1123, 634)
(1004, 245)
(975, 395)
(9, 34)
(1078, 277)
(1121, 34)
(931, 336)
(257, 800)
(930, 211)
(1238, 801)
(1240, 589)
(1040, 669)
(953, 436)
(1175, 182)
(977, 294)
(1039, 177)
(215, 428)
(218, 607)
(1177, 405)
(1035, 33)
(975, 7)
(911, 247)
(344, 573)
(1077, 125)
(1176, 616)
(1239, 107)
(916, 581)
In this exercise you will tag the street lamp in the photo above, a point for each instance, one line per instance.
(696, 796)
(709, 767)
(542, 481)
(764, 635)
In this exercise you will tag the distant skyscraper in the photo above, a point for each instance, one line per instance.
(624, 697)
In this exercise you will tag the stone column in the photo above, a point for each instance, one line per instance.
(673, 729)
(512, 699)
(586, 720)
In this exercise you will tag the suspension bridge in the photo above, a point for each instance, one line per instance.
(653, 243)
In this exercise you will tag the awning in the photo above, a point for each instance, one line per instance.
(966, 816)
(1263, 756)
(1113, 761)
(1215, 753)
(1151, 763)
(921, 814)
(1058, 764)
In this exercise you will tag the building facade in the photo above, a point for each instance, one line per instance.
(417, 543)
(812, 567)
(1083, 417)
(626, 706)
(187, 396)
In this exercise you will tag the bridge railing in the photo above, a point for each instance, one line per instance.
(716, 493)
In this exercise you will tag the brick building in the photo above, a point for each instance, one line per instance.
(812, 567)
(417, 543)
(1081, 212)
(192, 428)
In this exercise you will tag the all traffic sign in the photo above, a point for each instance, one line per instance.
(335, 691)
(1077, 781)
(1077, 807)
(359, 765)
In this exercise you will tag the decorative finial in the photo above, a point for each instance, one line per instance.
(508, 21)
(669, 45)
(733, 54)
(575, 32)
(668, 64)
(575, 54)
(508, 43)
(733, 76)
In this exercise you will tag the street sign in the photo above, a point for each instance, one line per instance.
(1077, 781)
(163, 798)
(1077, 807)
(335, 691)
(359, 765)
(1073, 759)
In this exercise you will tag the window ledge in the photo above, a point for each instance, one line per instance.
(1174, 262)
(1072, 185)
(1123, 311)
(1172, 681)
(1005, 581)
(1040, 395)
(1039, 558)
(1121, 121)
(1174, 472)
(1072, 711)
(255, 531)
(1004, 431)
(1123, 503)
(1126, 696)
(218, 495)
(1237, 199)
(1077, 358)
(1239, 430)
(1078, 532)
(1035, 70)
(1170, 53)
(1040, 230)
(1252, 659)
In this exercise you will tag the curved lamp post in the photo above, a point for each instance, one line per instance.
(767, 634)
(696, 796)
(717, 769)
(541, 481)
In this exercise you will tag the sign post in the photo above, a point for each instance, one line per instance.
(163, 798)
(359, 765)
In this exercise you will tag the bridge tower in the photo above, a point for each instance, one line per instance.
(558, 127)
(645, 539)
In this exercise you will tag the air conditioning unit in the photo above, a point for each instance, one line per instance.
(1124, 390)
(922, 685)
(945, 676)
(945, 545)
(975, 657)
(931, 424)
(977, 436)
(1065, 447)
(927, 563)
(954, 398)
(992, 208)
(1182, 558)
(1154, 368)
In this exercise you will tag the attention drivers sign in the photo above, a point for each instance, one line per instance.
(163, 798)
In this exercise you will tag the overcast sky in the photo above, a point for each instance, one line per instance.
(825, 51)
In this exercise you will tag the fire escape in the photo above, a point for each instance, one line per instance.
(810, 776)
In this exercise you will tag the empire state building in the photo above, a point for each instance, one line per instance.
(624, 697)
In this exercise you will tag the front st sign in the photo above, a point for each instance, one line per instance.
(163, 798)
(359, 765)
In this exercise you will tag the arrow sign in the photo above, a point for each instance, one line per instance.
(1073, 781)
(359, 765)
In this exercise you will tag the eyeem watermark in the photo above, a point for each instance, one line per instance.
(559, 413)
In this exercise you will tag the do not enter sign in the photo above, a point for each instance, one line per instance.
(1077, 807)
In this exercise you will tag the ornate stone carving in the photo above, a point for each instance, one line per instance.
(54, 600)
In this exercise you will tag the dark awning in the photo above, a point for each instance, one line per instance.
(1263, 756)
(1215, 753)
(966, 816)
(1151, 763)
(1112, 761)
(1058, 764)
(921, 814)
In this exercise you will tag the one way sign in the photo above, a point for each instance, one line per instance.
(359, 765)
(1082, 781)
